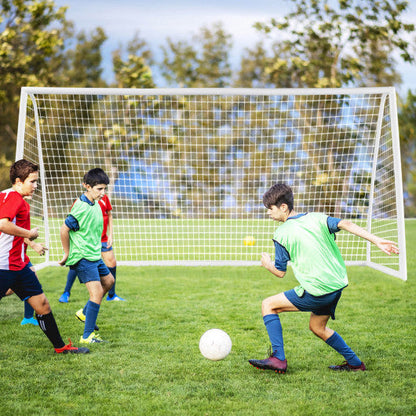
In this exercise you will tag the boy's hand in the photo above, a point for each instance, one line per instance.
(387, 246)
(63, 260)
(34, 233)
(39, 248)
(266, 260)
(268, 264)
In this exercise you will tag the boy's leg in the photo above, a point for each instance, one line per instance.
(110, 261)
(271, 307)
(317, 324)
(70, 279)
(92, 307)
(46, 319)
(28, 315)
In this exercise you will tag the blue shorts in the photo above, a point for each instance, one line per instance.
(23, 282)
(104, 247)
(90, 271)
(319, 305)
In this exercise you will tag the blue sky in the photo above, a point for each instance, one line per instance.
(179, 19)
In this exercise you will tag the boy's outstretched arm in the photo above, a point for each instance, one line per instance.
(267, 263)
(386, 246)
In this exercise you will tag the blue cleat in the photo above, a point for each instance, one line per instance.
(115, 298)
(64, 297)
(29, 321)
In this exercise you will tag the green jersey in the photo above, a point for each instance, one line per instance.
(85, 243)
(315, 257)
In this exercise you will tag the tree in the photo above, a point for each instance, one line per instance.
(81, 66)
(334, 44)
(204, 62)
(134, 72)
(407, 117)
(32, 34)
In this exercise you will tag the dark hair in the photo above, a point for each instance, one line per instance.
(22, 169)
(279, 194)
(96, 176)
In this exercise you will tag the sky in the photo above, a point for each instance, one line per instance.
(157, 20)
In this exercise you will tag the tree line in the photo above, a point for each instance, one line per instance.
(341, 43)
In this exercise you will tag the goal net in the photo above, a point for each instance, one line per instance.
(188, 167)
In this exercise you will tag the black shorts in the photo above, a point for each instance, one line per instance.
(23, 282)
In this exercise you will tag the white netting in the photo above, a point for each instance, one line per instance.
(188, 168)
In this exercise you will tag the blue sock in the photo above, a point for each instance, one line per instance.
(70, 279)
(274, 329)
(338, 344)
(28, 310)
(90, 318)
(112, 291)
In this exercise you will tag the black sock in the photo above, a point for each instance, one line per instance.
(48, 325)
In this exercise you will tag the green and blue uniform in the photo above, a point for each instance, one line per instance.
(308, 241)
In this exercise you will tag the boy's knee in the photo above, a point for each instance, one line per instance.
(318, 331)
(41, 305)
(266, 307)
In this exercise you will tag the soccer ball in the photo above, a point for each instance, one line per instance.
(215, 344)
(249, 241)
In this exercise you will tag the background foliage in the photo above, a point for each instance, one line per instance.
(339, 43)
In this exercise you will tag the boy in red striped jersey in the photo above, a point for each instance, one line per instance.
(15, 272)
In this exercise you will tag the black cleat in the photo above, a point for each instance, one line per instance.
(348, 367)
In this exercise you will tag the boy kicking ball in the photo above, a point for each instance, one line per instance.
(15, 272)
(308, 242)
(81, 241)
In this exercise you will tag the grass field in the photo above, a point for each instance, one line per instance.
(152, 365)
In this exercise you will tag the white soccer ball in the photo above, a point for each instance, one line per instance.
(215, 344)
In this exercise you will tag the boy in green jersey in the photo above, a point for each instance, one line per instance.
(308, 242)
(81, 241)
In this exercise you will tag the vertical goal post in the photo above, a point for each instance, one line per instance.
(188, 167)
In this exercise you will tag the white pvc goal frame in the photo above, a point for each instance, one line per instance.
(188, 167)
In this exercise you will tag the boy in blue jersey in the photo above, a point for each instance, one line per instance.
(308, 242)
(81, 241)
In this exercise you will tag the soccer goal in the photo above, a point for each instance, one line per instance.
(188, 167)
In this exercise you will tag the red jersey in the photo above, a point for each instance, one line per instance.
(106, 207)
(13, 249)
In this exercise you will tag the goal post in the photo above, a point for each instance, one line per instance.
(188, 167)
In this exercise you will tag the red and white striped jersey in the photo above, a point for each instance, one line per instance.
(13, 249)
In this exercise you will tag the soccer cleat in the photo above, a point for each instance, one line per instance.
(71, 350)
(271, 363)
(348, 367)
(64, 297)
(81, 317)
(29, 321)
(93, 338)
(115, 298)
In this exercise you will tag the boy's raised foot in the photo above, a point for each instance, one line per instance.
(271, 363)
(81, 317)
(348, 367)
(69, 349)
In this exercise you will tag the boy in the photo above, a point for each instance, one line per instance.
(15, 273)
(308, 241)
(81, 241)
(107, 254)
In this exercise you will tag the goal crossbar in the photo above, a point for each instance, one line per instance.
(188, 167)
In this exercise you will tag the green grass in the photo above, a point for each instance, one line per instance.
(152, 365)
